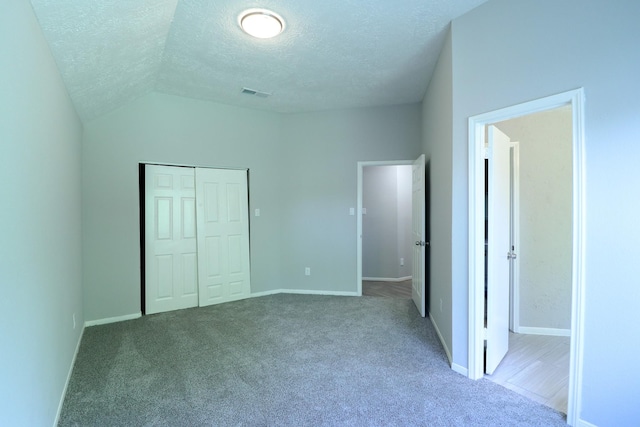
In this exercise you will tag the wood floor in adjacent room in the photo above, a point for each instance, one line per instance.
(387, 289)
(536, 366)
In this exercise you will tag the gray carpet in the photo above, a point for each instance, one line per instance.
(283, 360)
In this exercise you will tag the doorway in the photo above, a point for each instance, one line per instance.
(537, 268)
(194, 236)
(477, 137)
(415, 241)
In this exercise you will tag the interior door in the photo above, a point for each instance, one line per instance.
(223, 235)
(498, 248)
(418, 233)
(170, 239)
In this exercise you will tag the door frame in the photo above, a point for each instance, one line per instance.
(358, 212)
(477, 125)
(142, 214)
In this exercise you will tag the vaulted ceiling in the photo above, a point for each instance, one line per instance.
(332, 54)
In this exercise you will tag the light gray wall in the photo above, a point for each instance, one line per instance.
(321, 151)
(40, 259)
(545, 249)
(507, 52)
(437, 127)
(302, 177)
(386, 227)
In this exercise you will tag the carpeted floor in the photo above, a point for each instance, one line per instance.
(283, 360)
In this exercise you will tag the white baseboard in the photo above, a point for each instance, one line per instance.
(387, 279)
(583, 423)
(66, 383)
(304, 292)
(444, 345)
(265, 293)
(112, 319)
(460, 369)
(310, 292)
(556, 332)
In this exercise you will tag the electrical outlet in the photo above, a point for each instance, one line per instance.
(440, 305)
(401, 262)
(307, 271)
(74, 320)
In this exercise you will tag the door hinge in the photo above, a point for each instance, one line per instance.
(485, 334)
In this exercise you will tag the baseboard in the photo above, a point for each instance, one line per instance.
(460, 369)
(556, 332)
(311, 292)
(304, 292)
(444, 345)
(265, 293)
(387, 279)
(66, 383)
(112, 319)
(583, 423)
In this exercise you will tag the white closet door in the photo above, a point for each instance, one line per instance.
(223, 235)
(171, 272)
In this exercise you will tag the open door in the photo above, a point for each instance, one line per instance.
(498, 248)
(418, 233)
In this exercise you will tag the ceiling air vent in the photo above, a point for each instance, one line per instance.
(247, 91)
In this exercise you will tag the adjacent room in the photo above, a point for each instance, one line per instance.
(103, 103)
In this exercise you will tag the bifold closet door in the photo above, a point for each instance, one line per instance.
(171, 261)
(223, 235)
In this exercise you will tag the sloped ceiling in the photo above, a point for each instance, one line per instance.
(332, 54)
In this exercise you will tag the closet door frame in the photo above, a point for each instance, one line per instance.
(142, 225)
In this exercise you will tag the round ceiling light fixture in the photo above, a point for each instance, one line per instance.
(261, 23)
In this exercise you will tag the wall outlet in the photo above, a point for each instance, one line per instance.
(440, 305)
(352, 211)
(74, 320)
(401, 262)
(257, 212)
(307, 271)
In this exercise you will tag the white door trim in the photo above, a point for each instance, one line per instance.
(361, 166)
(477, 125)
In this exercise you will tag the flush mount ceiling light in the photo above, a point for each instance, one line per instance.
(261, 23)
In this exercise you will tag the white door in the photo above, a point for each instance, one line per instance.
(223, 235)
(417, 230)
(498, 248)
(171, 261)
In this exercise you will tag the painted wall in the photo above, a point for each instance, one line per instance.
(545, 249)
(321, 151)
(436, 130)
(505, 53)
(386, 227)
(302, 177)
(40, 256)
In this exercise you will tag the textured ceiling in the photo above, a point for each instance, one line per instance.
(332, 54)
